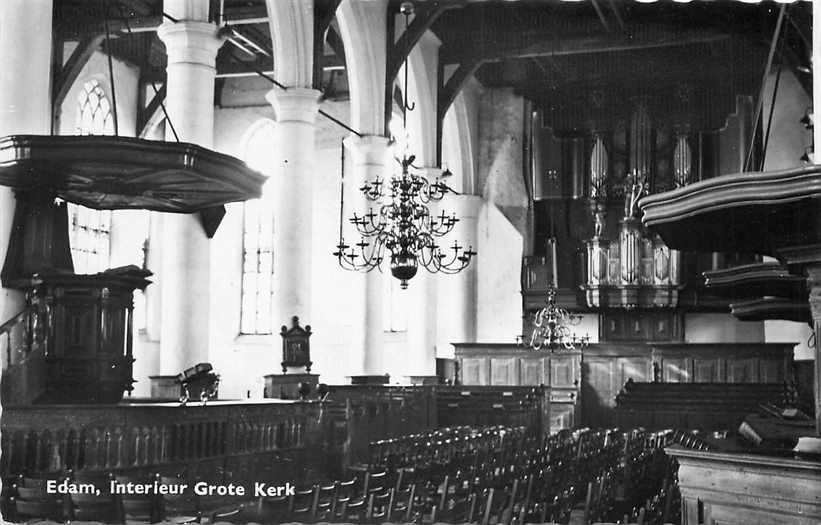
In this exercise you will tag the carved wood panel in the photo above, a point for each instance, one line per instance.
(503, 371)
(533, 371)
(742, 371)
(562, 416)
(771, 371)
(676, 370)
(474, 371)
(707, 371)
(564, 371)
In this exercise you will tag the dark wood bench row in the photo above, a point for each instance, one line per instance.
(704, 406)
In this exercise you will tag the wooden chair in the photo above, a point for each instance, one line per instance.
(459, 508)
(379, 506)
(345, 493)
(326, 497)
(272, 509)
(180, 508)
(95, 507)
(30, 501)
(401, 505)
(354, 511)
(138, 507)
(302, 505)
(374, 482)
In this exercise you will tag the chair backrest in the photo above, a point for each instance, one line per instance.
(133, 506)
(379, 505)
(325, 506)
(273, 509)
(95, 507)
(374, 482)
(302, 504)
(48, 509)
(178, 502)
(354, 511)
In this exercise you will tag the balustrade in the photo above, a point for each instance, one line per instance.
(47, 439)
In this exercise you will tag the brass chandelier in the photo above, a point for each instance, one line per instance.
(399, 221)
(552, 328)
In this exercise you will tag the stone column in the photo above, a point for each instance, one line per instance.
(368, 156)
(296, 110)
(25, 52)
(363, 29)
(422, 71)
(423, 313)
(292, 36)
(457, 293)
(192, 46)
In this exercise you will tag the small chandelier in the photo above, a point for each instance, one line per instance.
(401, 222)
(551, 328)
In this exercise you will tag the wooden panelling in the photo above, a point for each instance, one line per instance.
(676, 370)
(707, 371)
(619, 325)
(564, 371)
(513, 365)
(602, 371)
(771, 370)
(753, 488)
(635, 368)
(533, 371)
(474, 371)
(562, 416)
(504, 371)
(742, 371)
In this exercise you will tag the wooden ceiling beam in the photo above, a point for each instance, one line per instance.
(324, 14)
(152, 113)
(71, 70)
(579, 45)
(423, 18)
(448, 91)
(116, 26)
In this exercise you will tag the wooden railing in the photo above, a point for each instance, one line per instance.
(22, 355)
(235, 441)
(219, 442)
(358, 415)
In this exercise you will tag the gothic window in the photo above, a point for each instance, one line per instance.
(258, 239)
(90, 230)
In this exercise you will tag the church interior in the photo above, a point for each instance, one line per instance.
(501, 262)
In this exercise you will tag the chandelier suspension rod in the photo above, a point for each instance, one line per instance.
(405, 106)
(110, 69)
(153, 85)
(760, 101)
(341, 187)
(278, 84)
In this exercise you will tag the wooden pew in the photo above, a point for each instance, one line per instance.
(703, 406)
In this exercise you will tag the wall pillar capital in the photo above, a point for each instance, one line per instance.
(368, 150)
(294, 104)
(190, 42)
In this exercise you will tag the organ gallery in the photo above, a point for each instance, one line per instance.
(368, 261)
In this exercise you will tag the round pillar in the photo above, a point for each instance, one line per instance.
(369, 156)
(457, 293)
(192, 48)
(292, 186)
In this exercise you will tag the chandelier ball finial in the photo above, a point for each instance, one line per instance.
(404, 266)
